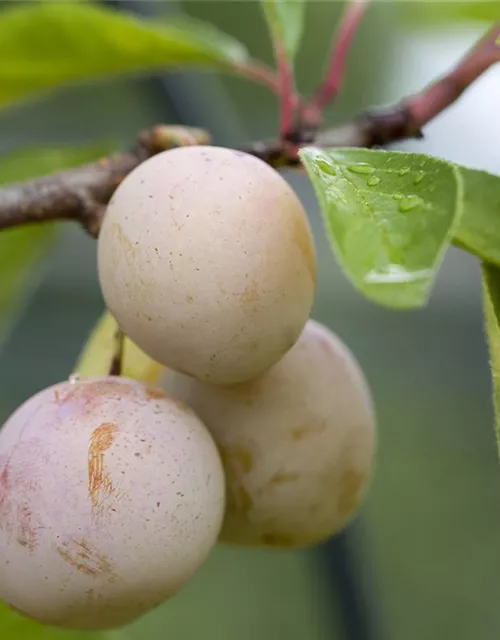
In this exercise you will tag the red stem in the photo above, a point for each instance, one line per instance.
(288, 98)
(329, 89)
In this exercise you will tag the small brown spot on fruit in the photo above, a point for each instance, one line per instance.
(250, 299)
(298, 433)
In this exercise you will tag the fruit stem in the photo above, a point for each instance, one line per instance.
(116, 366)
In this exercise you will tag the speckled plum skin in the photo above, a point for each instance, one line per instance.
(297, 444)
(111, 497)
(207, 262)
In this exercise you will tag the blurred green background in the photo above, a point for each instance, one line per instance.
(427, 543)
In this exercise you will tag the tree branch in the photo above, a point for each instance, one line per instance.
(81, 194)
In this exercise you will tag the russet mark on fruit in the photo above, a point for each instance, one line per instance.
(100, 483)
(297, 443)
(206, 260)
(111, 497)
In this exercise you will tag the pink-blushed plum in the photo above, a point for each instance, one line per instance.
(111, 497)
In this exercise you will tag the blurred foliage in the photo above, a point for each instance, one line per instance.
(426, 12)
(21, 249)
(286, 21)
(47, 45)
(370, 58)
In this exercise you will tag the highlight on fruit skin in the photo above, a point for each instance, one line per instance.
(111, 497)
(206, 260)
(298, 443)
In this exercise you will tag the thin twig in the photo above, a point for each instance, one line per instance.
(264, 75)
(287, 92)
(116, 365)
(81, 194)
(329, 89)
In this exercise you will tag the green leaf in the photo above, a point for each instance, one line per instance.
(44, 45)
(285, 19)
(389, 216)
(491, 295)
(22, 248)
(479, 228)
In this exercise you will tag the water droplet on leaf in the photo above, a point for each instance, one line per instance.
(404, 171)
(326, 166)
(361, 167)
(419, 177)
(397, 196)
(409, 203)
(373, 181)
(393, 273)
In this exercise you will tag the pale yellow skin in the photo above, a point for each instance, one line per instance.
(297, 444)
(207, 262)
(111, 497)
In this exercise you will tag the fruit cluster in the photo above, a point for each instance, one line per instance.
(259, 429)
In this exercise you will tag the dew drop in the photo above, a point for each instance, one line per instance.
(326, 166)
(419, 177)
(373, 181)
(409, 203)
(361, 167)
(394, 273)
(404, 171)
(397, 196)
